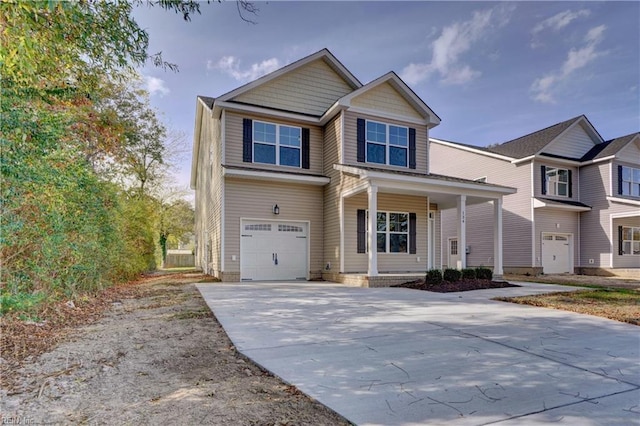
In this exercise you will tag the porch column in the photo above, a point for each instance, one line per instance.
(372, 192)
(462, 230)
(497, 239)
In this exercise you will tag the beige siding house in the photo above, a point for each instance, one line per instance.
(306, 173)
(577, 209)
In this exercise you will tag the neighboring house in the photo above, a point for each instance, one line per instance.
(306, 173)
(577, 209)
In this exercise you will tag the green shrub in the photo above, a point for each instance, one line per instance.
(484, 273)
(452, 275)
(434, 276)
(468, 274)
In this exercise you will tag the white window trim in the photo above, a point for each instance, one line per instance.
(276, 144)
(387, 144)
(554, 184)
(631, 182)
(388, 233)
(631, 240)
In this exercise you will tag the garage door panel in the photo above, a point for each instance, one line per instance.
(272, 250)
(556, 254)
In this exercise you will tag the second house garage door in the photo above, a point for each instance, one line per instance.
(556, 253)
(273, 250)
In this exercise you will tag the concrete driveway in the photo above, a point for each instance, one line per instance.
(393, 356)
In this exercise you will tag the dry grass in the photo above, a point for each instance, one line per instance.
(618, 304)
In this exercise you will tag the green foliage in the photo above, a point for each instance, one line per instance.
(434, 276)
(469, 274)
(21, 302)
(452, 275)
(484, 273)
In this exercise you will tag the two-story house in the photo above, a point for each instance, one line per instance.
(577, 208)
(306, 173)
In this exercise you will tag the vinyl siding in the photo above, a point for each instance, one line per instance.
(386, 99)
(246, 198)
(208, 195)
(331, 194)
(516, 213)
(311, 89)
(387, 262)
(595, 229)
(546, 220)
(351, 148)
(233, 142)
(573, 144)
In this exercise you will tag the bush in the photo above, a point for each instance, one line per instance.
(434, 276)
(452, 275)
(469, 274)
(484, 273)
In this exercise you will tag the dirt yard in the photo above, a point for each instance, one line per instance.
(153, 355)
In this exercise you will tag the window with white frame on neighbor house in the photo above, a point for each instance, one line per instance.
(630, 181)
(557, 181)
(277, 144)
(631, 240)
(387, 144)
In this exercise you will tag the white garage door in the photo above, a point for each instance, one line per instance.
(556, 254)
(272, 250)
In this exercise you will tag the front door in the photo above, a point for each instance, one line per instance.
(454, 253)
(556, 254)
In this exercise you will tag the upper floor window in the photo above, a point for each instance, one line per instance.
(629, 240)
(629, 181)
(277, 144)
(556, 181)
(270, 143)
(387, 144)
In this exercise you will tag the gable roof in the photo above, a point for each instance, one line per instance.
(208, 101)
(610, 147)
(532, 143)
(402, 88)
(324, 54)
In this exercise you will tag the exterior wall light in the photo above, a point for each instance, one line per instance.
(276, 209)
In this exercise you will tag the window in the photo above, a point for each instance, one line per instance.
(277, 144)
(630, 181)
(630, 241)
(557, 181)
(387, 144)
(392, 232)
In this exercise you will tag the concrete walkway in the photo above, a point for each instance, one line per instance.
(393, 356)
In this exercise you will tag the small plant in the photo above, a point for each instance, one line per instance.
(468, 274)
(434, 277)
(484, 273)
(452, 275)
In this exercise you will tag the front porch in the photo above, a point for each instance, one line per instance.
(380, 198)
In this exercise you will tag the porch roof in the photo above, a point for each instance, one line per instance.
(443, 190)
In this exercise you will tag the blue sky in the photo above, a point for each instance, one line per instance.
(491, 71)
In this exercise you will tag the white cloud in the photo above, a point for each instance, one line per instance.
(231, 66)
(543, 87)
(560, 20)
(454, 41)
(556, 23)
(155, 85)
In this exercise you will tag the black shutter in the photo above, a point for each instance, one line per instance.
(412, 148)
(570, 183)
(305, 148)
(361, 140)
(620, 251)
(412, 233)
(619, 180)
(543, 179)
(362, 231)
(247, 139)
